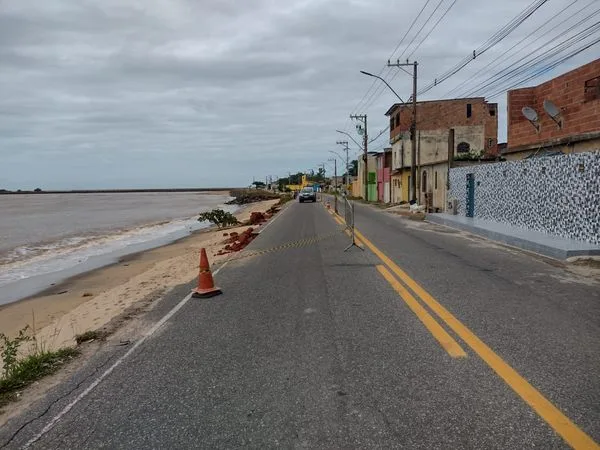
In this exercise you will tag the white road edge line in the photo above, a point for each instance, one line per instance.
(108, 371)
(273, 220)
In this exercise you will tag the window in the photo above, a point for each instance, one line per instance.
(424, 184)
(592, 90)
(392, 123)
(435, 180)
(490, 142)
(492, 111)
(463, 147)
(468, 110)
(398, 119)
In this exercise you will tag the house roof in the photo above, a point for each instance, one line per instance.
(409, 104)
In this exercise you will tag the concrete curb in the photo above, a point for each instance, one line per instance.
(564, 248)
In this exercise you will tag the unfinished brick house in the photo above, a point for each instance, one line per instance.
(575, 96)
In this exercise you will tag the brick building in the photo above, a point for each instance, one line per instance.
(467, 126)
(576, 94)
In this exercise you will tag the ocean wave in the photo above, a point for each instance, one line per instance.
(48, 257)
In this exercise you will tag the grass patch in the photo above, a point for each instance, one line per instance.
(30, 369)
(92, 335)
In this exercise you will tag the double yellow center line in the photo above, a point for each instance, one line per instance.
(572, 434)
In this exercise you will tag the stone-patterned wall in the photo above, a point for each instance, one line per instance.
(557, 195)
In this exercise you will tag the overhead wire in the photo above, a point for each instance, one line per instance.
(488, 44)
(422, 27)
(375, 82)
(548, 67)
(514, 70)
(491, 63)
(433, 28)
(501, 60)
(382, 87)
(380, 134)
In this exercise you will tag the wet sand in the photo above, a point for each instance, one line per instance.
(91, 300)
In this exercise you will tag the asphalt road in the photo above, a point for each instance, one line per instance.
(311, 347)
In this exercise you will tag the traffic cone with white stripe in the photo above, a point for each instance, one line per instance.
(206, 285)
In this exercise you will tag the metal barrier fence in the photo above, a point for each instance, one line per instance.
(349, 218)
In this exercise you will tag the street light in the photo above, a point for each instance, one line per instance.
(345, 144)
(353, 140)
(413, 150)
(335, 186)
(338, 155)
(386, 83)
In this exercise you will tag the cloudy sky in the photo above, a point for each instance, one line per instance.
(162, 93)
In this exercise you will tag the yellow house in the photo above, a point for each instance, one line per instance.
(405, 184)
(298, 187)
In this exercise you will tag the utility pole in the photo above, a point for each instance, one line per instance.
(363, 119)
(335, 208)
(413, 128)
(345, 144)
(335, 184)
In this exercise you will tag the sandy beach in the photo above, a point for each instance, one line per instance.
(92, 300)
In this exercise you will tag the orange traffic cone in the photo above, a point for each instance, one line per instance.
(206, 285)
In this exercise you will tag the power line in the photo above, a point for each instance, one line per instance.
(516, 69)
(506, 71)
(374, 83)
(497, 59)
(380, 134)
(433, 28)
(421, 29)
(382, 88)
(545, 68)
(549, 67)
(408, 31)
(490, 43)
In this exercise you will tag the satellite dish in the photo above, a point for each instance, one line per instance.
(530, 114)
(551, 109)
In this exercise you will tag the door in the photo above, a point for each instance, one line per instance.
(470, 206)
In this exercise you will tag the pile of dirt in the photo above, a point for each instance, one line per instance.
(237, 241)
(256, 218)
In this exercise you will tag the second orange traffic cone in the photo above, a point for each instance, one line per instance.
(206, 285)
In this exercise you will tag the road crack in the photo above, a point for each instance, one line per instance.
(55, 401)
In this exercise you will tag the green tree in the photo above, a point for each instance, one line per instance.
(219, 218)
(353, 168)
(259, 184)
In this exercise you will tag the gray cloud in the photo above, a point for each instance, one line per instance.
(107, 93)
